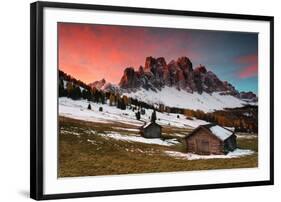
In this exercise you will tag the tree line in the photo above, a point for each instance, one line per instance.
(76, 89)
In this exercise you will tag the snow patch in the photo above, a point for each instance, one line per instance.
(248, 136)
(132, 138)
(190, 156)
(69, 132)
(64, 84)
(91, 141)
(127, 129)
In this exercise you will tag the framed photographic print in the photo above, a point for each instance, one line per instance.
(135, 100)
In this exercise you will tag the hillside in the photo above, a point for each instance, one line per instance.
(171, 97)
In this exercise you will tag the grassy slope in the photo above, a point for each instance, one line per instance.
(101, 156)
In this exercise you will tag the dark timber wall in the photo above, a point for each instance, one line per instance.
(230, 143)
(204, 142)
(152, 131)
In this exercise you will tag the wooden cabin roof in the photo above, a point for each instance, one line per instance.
(148, 124)
(220, 132)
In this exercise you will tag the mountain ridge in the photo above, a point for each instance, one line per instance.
(157, 74)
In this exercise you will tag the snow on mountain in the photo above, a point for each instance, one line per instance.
(98, 84)
(77, 109)
(66, 82)
(104, 85)
(173, 97)
(178, 84)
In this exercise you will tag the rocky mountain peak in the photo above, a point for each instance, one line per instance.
(129, 78)
(149, 63)
(154, 64)
(98, 84)
(161, 62)
(201, 69)
(185, 64)
(179, 73)
(157, 74)
(248, 96)
(141, 70)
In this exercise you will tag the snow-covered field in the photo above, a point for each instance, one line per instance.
(134, 138)
(246, 136)
(157, 141)
(189, 156)
(172, 97)
(77, 109)
(130, 132)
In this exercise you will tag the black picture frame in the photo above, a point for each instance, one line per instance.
(36, 98)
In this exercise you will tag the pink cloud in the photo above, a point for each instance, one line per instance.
(248, 72)
(249, 66)
(92, 52)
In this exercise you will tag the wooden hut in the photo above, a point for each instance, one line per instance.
(211, 139)
(151, 130)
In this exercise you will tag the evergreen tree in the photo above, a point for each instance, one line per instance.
(125, 100)
(69, 88)
(153, 116)
(122, 104)
(86, 94)
(118, 105)
(76, 93)
(62, 91)
(138, 116)
(111, 99)
(102, 97)
(142, 111)
(89, 106)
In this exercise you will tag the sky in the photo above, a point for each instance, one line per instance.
(90, 52)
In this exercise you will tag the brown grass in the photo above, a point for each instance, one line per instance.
(104, 156)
